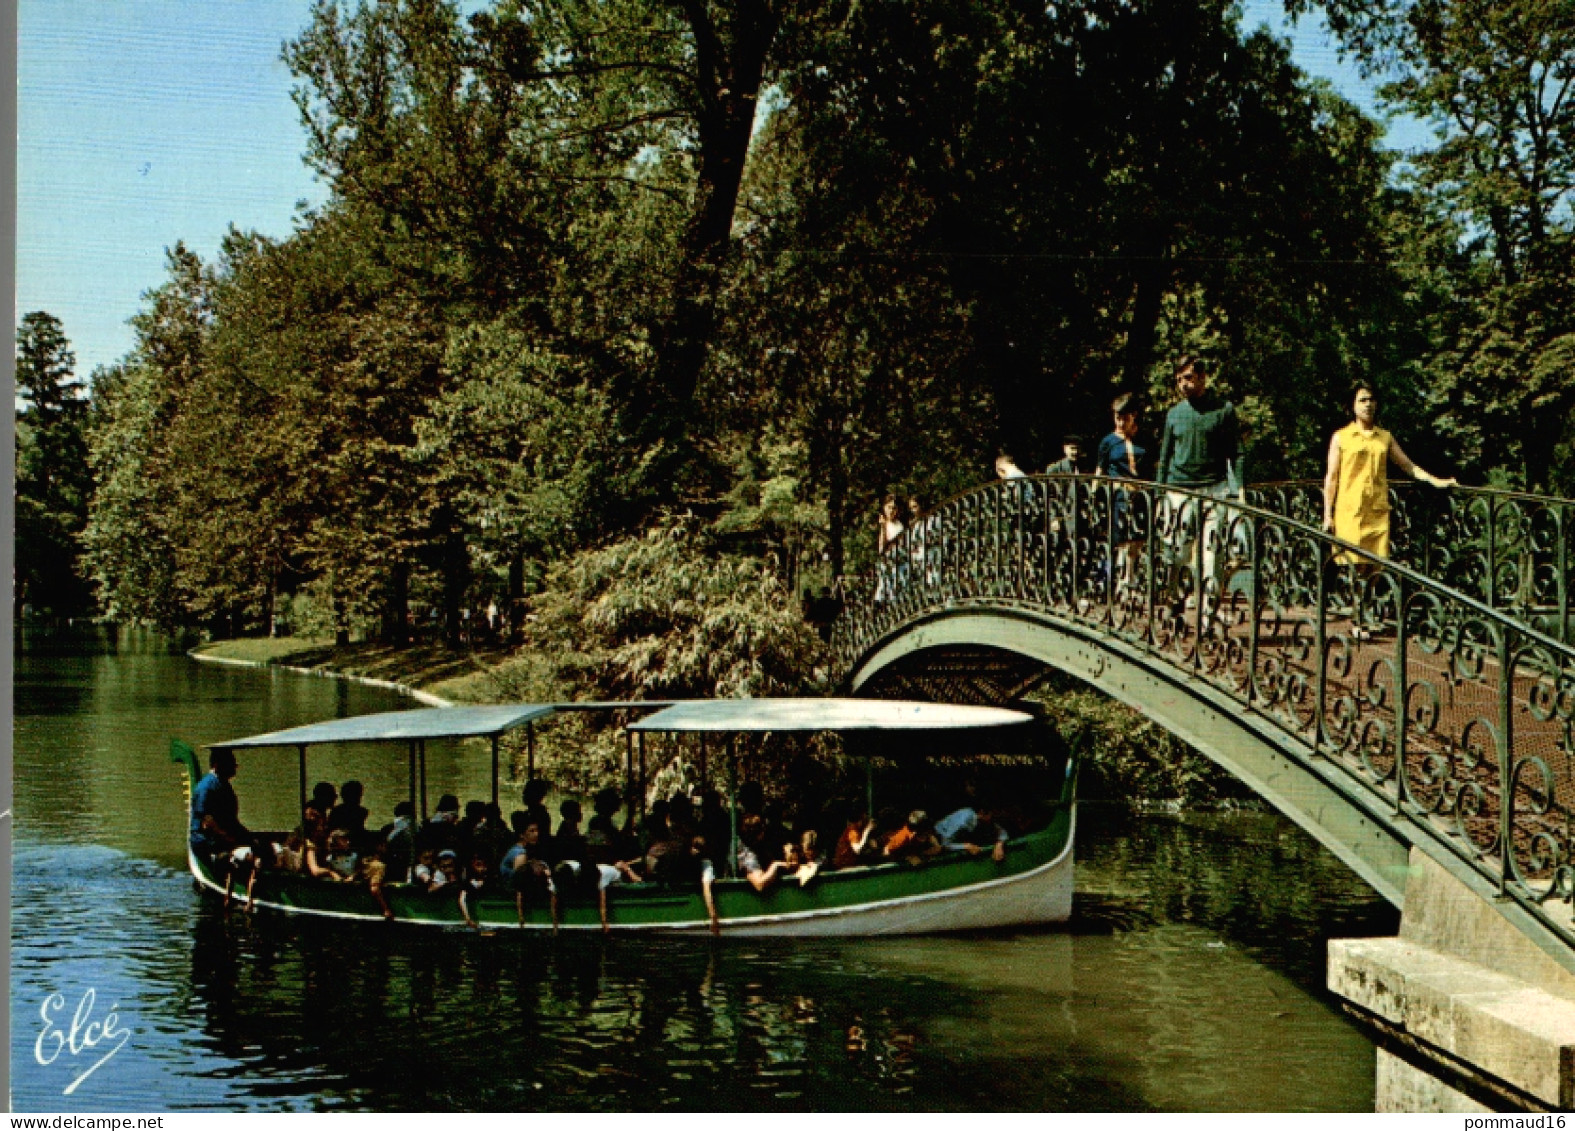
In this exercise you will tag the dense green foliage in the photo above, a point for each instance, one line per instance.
(1486, 239)
(1129, 757)
(53, 484)
(621, 314)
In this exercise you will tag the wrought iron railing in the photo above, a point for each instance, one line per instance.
(1509, 550)
(1448, 713)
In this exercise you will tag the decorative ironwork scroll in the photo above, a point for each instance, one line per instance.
(1509, 550)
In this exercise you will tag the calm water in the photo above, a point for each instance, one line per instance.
(1189, 979)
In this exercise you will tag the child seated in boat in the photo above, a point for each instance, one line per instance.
(857, 844)
(914, 842)
(448, 870)
(425, 871)
(525, 869)
(478, 882)
(796, 863)
(371, 869)
(809, 855)
(350, 814)
(752, 836)
(972, 830)
(290, 854)
(337, 863)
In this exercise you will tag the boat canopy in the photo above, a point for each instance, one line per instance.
(706, 716)
(404, 726)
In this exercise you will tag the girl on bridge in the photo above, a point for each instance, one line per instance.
(1356, 486)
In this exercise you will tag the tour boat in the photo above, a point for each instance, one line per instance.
(1032, 885)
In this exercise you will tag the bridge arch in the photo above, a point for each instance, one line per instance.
(1024, 643)
(1379, 709)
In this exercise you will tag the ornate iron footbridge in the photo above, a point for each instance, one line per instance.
(1424, 701)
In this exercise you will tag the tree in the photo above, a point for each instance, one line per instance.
(136, 530)
(53, 480)
(480, 137)
(974, 222)
(1496, 247)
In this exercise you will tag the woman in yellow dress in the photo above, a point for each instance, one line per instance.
(1356, 487)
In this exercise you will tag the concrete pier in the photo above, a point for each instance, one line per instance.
(1475, 1016)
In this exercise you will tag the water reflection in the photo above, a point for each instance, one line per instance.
(1134, 1008)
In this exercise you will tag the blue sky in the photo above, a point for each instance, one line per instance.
(140, 123)
(144, 122)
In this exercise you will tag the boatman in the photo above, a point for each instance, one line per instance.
(217, 835)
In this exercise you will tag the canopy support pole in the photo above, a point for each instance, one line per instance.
(628, 778)
(421, 755)
(644, 786)
(530, 751)
(705, 781)
(494, 769)
(302, 808)
(412, 784)
(869, 789)
(732, 807)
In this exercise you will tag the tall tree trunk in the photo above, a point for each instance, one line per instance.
(836, 503)
(396, 614)
(1143, 329)
(341, 618)
(456, 580)
(729, 70)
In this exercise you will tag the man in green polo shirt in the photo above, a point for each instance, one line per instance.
(1200, 449)
(1201, 445)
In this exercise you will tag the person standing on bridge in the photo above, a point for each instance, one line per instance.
(1071, 461)
(1200, 449)
(1122, 457)
(1356, 485)
(888, 528)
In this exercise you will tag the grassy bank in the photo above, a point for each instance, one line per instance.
(460, 675)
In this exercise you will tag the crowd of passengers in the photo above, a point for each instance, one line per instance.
(473, 854)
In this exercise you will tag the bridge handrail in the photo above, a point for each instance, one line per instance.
(1336, 545)
(1512, 549)
(1469, 489)
(1453, 714)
